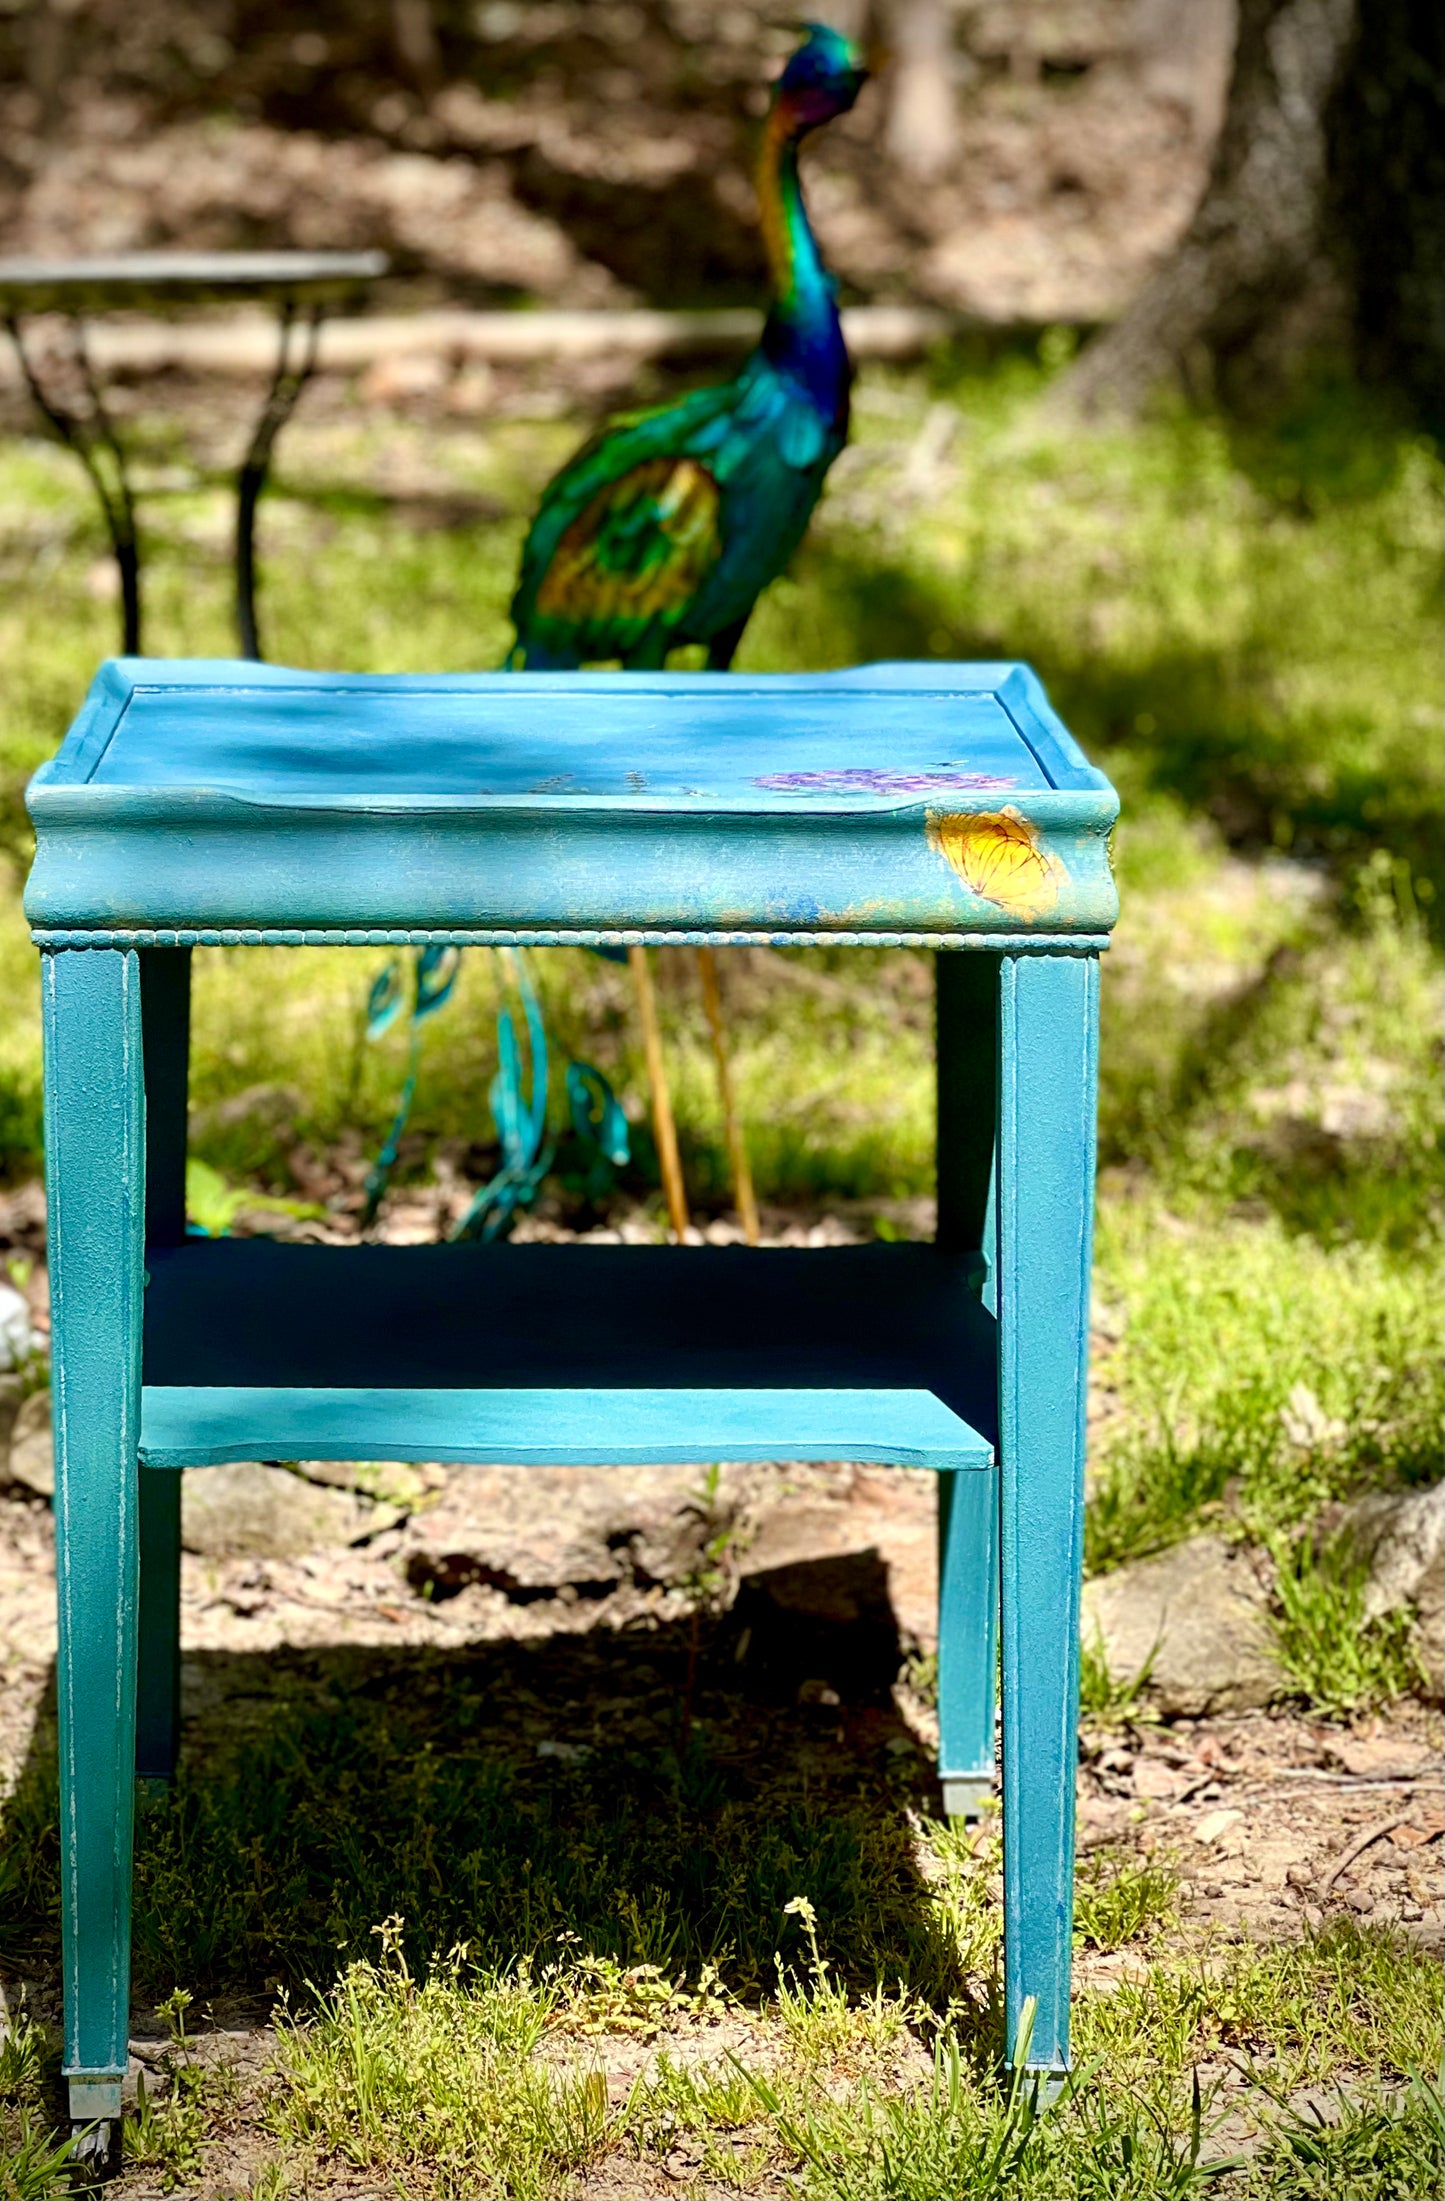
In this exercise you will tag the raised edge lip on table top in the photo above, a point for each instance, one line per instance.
(65, 789)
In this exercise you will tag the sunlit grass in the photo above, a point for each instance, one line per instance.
(1255, 1367)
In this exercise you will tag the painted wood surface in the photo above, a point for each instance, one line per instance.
(967, 1003)
(1048, 1075)
(537, 1317)
(205, 1426)
(95, 1186)
(893, 799)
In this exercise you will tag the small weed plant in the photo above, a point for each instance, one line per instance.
(1120, 1897)
(34, 2165)
(169, 2135)
(435, 2083)
(1105, 1699)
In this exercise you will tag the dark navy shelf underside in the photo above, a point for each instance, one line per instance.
(241, 1312)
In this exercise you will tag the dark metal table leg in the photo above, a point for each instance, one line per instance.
(287, 383)
(93, 441)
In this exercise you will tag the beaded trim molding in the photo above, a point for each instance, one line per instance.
(645, 937)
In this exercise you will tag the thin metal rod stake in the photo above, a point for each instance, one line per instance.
(125, 535)
(747, 1205)
(287, 383)
(664, 1129)
(85, 438)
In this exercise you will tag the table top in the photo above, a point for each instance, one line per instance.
(108, 280)
(929, 798)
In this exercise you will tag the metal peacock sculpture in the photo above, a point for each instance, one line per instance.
(662, 531)
(666, 527)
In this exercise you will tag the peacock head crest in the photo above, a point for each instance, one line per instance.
(822, 79)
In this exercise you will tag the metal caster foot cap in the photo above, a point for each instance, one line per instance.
(966, 1795)
(1051, 2079)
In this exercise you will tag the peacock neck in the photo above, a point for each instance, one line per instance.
(803, 337)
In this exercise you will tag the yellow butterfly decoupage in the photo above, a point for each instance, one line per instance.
(998, 856)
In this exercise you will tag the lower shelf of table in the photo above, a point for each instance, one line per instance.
(539, 1355)
(203, 1428)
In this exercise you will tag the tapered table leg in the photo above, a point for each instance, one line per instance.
(967, 988)
(95, 1170)
(165, 1026)
(1048, 1030)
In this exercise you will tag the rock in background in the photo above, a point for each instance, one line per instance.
(30, 1461)
(1195, 1621)
(1400, 1534)
(266, 1511)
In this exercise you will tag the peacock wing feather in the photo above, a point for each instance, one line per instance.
(623, 539)
(634, 557)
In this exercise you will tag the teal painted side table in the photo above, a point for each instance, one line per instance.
(935, 806)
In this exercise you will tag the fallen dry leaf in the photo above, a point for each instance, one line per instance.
(1412, 1835)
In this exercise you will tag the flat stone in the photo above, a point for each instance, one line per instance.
(1200, 1615)
(534, 1531)
(1157, 1782)
(395, 1483)
(1215, 1825)
(31, 1461)
(12, 1397)
(255, 1509)
(884, 1515)
(816, 1630)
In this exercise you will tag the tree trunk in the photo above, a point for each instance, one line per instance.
(1387, 205)
(414, 35)
(922, 106)
(1321, 223)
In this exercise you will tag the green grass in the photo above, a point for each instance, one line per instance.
(1337, 1659)
(545, 2010)
(1387, 2148)
(34, 2166)
(1259, 1373)
(1312, 2012)
(467, 2081)
(332, 1811)
(1119, 1897)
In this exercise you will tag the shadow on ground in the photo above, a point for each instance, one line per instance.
(535, 1799)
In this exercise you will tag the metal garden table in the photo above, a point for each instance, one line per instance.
(918, 806)
(301, 285)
